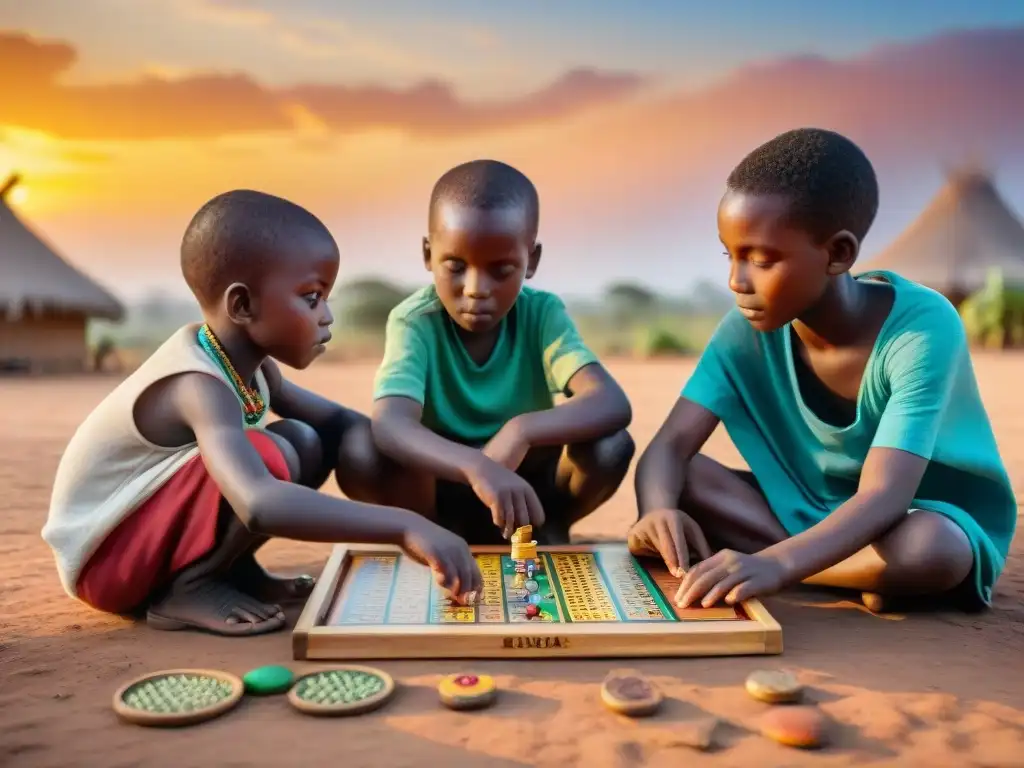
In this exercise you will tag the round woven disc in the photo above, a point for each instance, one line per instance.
(348, 690)
(177, 697)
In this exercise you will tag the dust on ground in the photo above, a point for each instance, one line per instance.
(930, 690)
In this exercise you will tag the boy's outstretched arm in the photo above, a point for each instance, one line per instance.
(290, 401)
(597, 407)
(888, 483)
(663, 529)
(663, 466)
(399, 433)
(270, 507)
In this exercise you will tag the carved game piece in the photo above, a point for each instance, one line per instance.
(794, 726)
(177, 697)
(265, 681)
(628, 692)
(464, 692)
(774, 686)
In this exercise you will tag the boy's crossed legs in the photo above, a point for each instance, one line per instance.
(923, 554)
(570, 481)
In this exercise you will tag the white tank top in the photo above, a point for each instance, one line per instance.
(109, 468)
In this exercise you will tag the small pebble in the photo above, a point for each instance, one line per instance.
(267, 680)
(696, 734)
(774, 686)
(532, 610)
(535, 598)
(531, 585)
(794, 726)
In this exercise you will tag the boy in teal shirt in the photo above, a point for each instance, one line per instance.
(853, 401)
(464, 397)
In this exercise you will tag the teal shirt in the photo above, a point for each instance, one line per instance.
(537, 352)
(918, 394)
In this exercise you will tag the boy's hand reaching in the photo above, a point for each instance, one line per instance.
(448, 556)
(512, 500)
(731, 576)
(668, 534)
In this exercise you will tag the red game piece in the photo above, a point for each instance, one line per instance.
(532, 610)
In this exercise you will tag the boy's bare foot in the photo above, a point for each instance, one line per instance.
(873, 602)
(250, 577)
(214, 606)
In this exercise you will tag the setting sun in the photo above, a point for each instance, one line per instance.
(19, 195)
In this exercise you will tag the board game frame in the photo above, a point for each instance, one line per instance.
(759, 634)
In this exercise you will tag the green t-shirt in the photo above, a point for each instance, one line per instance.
(537, 352)
(918, 394)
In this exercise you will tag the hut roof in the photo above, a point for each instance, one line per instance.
(33, 275)
(963, 233)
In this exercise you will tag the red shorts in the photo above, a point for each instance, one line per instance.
(169, 531)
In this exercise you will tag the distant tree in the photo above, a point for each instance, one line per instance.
(710, 298)
(993, 316)
(366, 304)
(155, 306)
(628, 302)
(658, 342)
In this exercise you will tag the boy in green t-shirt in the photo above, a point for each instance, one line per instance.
(852, 400)
(464, 395)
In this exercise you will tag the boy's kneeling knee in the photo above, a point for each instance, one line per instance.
(607, 454)
(358, 455)
(935, 551)
(300, 445)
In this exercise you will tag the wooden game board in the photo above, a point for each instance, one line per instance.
(373, 602)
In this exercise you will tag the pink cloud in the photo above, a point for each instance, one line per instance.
(218, 104)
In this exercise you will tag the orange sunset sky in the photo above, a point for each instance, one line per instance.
(124, 116)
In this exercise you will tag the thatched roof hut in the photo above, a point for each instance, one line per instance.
(45, 302)
(965, 232)
(33, 276)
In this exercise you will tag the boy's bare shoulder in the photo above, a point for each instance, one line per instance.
(172, 410)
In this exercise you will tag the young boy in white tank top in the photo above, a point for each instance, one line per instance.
(171, 484)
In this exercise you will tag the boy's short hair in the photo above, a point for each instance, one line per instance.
(234, 236)
(487, 185)
(830, 181)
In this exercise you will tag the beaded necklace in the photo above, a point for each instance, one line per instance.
(253, 404)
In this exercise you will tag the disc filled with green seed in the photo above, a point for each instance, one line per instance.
(177, 697)
(348, 690)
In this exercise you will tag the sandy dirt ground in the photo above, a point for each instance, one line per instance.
(907, 690)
